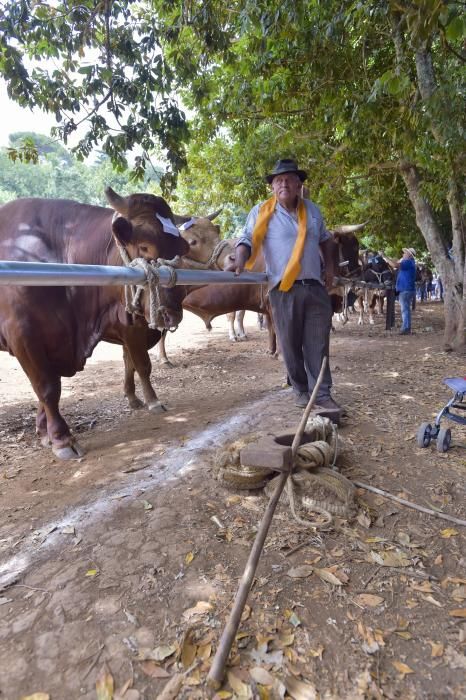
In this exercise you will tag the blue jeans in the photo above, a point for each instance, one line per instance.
(406, 300)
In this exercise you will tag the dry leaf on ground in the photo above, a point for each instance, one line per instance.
(201, 608)
(437, 648)
(402, 668)
(300, 571)
(328, 576)
(261, 675)
(369, 600)
(390, 558)
(172, 689)
(300, 690)
(104, 685)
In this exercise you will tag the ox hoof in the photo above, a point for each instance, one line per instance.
(73, 451)
(156, 407)
(167, 363)
(45, 441)
(135, 403)
(233, 338)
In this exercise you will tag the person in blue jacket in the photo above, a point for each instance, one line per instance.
(406, 287)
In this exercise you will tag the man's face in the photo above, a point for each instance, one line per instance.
(286, 188)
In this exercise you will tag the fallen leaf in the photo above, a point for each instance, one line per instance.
(369, 600)
(188, 558)
(391, 558)
(201, 608)
(294, 620)
(92, 572)
(36, 696)
(147, 505)
(172, 688)
(158, 654)
(68, 530)
(188, 652)
(431, 599)
(194, 678)
(458, 612)
(459, 593)
(260, 675)
(222, 695)
(404, 634)
(402, 668)
(317, 653)
(423, 587)
(448, 532)
(4, 600)
(300, 690)
(104, 685)
(364, 520)
(152, 669)
(286, 639)
(328, 576)
(437, 648)
(300, 571)
(237, 685)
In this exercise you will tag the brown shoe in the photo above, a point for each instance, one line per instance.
(329, 403)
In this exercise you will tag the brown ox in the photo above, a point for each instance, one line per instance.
(53, 330)
(214, 300)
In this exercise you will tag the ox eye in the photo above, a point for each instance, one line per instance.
(143, 249)
(192, 242)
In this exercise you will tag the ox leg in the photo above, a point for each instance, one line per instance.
(239, 318)
(231, 326)
(50, 424)
(371, 309)
(161, 351)
(137, 357)
(41, 425)
(129, 385)
(273, 350)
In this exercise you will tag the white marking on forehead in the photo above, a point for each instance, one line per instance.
(24, 227)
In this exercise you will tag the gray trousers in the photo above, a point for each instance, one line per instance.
(303, 319)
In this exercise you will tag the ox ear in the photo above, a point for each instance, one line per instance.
(117, 202)
(122, 230)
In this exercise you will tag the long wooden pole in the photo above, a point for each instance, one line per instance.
(217, 670)
(410, 504)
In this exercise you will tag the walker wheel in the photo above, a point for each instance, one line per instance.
(424, 435)
(443, 439)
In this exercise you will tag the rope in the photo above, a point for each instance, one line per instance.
(312, 478)
(151, 270)
(212, 262)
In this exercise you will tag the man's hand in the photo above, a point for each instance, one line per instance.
(242, 253)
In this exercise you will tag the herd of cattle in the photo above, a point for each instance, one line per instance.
(53, 330)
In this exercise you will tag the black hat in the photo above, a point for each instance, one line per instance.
(286, 165)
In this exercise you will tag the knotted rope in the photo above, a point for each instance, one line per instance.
(133, 293)
(212, 262)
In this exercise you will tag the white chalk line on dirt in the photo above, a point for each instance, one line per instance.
(175, 464)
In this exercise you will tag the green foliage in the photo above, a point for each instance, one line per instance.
(56, 174)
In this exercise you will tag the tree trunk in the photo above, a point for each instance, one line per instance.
(452, 272)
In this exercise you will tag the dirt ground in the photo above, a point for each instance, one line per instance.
(118, 571)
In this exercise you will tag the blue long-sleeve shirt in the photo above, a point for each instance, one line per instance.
(406, 279)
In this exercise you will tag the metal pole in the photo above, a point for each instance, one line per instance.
(33, 274)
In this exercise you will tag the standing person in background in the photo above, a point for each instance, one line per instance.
(292, 233)
(406, 287)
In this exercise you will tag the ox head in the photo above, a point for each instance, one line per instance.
(201, 235)
(139, 228)
(348, 249)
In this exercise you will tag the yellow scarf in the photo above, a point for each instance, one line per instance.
(260, 230)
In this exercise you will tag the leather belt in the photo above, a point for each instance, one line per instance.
(306, 282)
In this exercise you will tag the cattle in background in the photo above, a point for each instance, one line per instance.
(375, 270)
(214, 300)
(53, 330)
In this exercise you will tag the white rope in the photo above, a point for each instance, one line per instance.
(212, 262)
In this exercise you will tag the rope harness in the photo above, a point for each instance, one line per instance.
(314, 484)
(212, 262)
(133, 293)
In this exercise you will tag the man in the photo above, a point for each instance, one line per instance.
(406, 287)
(292, 233)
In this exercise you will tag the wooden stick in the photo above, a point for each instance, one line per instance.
(217, 671)
(404, 502)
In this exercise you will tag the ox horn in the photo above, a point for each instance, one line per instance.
(349, 228)
(179, 220)
(116, 201)
(213, 216)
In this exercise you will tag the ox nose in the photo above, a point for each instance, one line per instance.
(171, 318)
